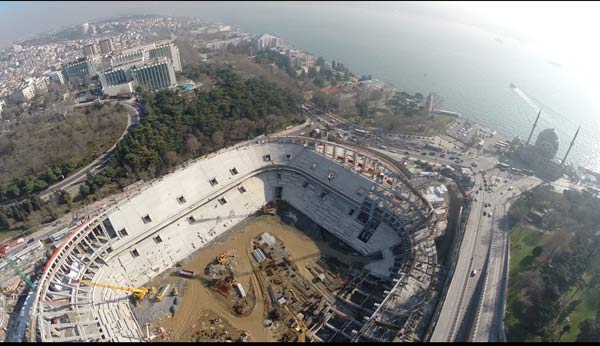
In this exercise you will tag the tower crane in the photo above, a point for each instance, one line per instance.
(16, 268)
(138, 293)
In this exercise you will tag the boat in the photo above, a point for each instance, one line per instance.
(513, 86)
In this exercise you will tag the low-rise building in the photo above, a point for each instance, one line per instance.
(266, 41)
(124, 89)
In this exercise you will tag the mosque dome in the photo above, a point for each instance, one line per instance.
(547, 143)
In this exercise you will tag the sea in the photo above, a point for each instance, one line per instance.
(468, 67)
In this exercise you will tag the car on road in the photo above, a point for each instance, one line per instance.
(474, 164)
(474, 272)
(30, 240)
(510, 188)
(424, 153)
(484, 213)
(490, 215)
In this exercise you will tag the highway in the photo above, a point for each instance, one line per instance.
(485, 239)
(489, 324)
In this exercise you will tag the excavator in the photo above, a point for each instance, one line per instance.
(224, 256)
(299, 323)
(138, 293)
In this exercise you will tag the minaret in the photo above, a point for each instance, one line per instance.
(570, 146)
(533, 128)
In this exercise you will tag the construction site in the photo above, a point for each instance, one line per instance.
(266, 280)
(248, 244)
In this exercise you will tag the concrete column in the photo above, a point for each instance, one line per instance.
(334, 153)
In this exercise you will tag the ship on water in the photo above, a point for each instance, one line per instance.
(513, 85)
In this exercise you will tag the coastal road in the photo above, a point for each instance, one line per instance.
(481, 245)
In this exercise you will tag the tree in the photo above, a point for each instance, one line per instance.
(84, 190)
(64, 197)
(5, 223)
(218, 139)
(589, 331)
(319, 82)
(363, 108)
(192, 144)
(171, 158)
(13, 191)
(320, 61)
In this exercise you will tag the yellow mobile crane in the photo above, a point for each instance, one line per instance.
(138, 293)
(299, 323)
(163, 293)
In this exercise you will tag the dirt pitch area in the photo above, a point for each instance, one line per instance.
(199, 306)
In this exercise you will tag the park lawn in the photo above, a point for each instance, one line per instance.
(586, 309)
(522, 241)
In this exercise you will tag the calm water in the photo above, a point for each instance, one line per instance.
(464, 65)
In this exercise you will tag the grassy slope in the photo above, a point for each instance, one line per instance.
(522, 242)
(80, 137)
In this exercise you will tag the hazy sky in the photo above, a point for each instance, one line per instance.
(565, 32)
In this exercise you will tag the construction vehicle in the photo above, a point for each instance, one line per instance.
(186, 273)
(299, 324)
(163, 292)
(14, 266)
(224, 256)
(267, 210)
(223, 286)
(138, 293)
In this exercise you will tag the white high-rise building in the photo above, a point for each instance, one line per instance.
(155, 76)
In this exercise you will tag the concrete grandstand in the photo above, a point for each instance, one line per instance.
(355, 195)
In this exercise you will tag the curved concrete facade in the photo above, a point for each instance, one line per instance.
(184, 211)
